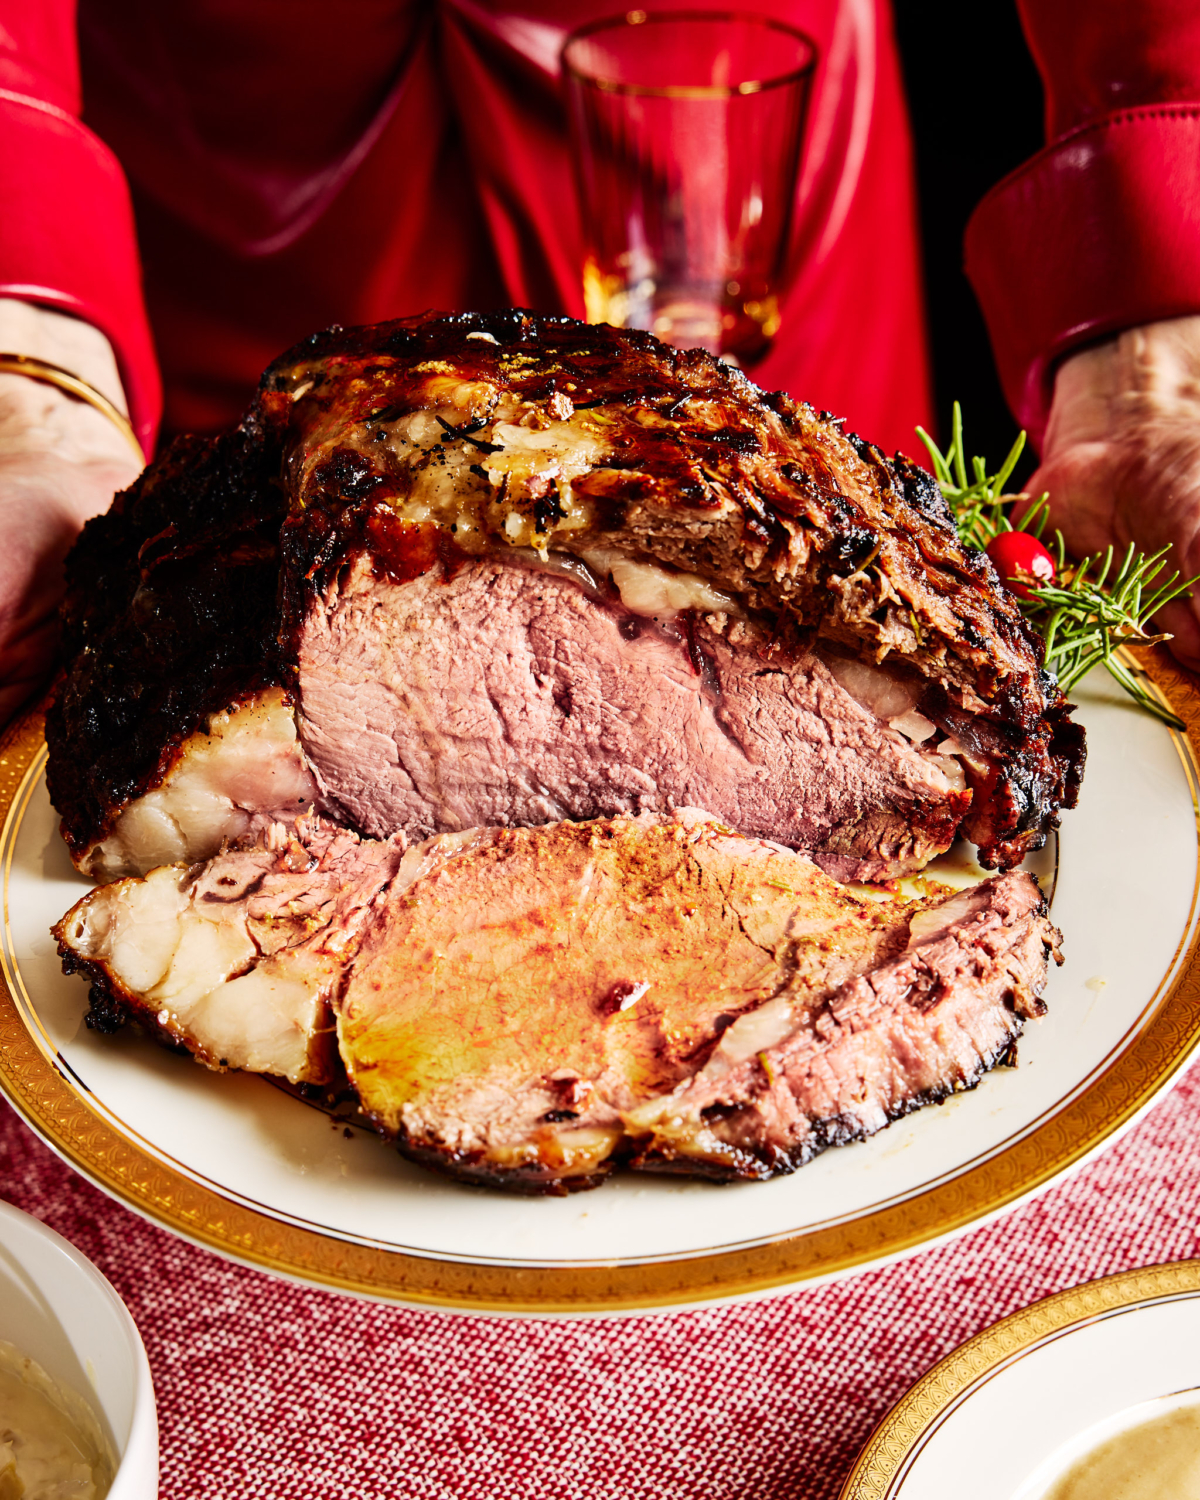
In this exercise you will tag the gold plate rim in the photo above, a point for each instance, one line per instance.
(923, 1407)
(64, 1119)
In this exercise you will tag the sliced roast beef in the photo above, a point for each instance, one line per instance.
(697, 590)
(561, 999)
(798, 1077)
(236, 960)
(531, 1007)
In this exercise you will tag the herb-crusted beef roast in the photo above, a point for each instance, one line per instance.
(530, 1007)
(505, 569)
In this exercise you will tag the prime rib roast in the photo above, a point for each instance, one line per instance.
(453, 624)
(531, 1006)
(504, 570)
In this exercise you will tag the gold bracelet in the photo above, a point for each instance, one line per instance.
(48, 374)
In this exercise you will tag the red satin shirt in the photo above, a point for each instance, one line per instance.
(1101, 230)
(293, 164)
(216, 178)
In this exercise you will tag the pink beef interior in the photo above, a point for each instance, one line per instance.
(513, 696)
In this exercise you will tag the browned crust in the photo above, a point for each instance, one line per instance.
(169, 617)
(532, 1180)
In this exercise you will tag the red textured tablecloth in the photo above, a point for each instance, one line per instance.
(268, 1391)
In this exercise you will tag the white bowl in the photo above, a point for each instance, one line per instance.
(58, 1309)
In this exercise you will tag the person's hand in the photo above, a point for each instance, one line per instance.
(1121, 457)
(60, 463)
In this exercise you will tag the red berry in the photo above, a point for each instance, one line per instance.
(1015, 555)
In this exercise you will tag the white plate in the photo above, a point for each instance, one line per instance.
(1016, 1405)
(236, 1164)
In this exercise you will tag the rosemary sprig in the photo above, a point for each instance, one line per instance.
(1089, 612)
(981, 507)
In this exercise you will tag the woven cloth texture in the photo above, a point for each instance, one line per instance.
(269, 1391)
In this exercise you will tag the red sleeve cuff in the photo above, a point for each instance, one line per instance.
(67, 239)
(1098, 232)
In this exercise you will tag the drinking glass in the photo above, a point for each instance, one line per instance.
(685, 134)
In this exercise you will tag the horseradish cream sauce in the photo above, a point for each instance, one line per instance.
(1156, 1460)
(51, 1445)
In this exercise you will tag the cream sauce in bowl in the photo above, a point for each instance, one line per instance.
(51, 1443)
(1155, 1459)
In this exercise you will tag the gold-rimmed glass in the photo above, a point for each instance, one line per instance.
(686, 129)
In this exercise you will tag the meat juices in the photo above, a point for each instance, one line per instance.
(531, 1007)
(508, 569)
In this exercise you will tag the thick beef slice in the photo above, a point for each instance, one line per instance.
(505, 695)
(926, 1024)
(236, 960)
(557, 1000)
(500, 1017)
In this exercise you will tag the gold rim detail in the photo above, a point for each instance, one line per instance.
(63, 1117)
(637, 18)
